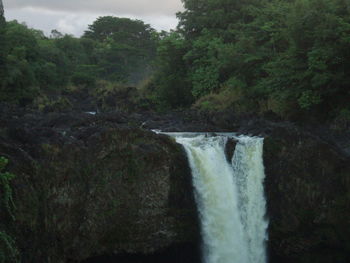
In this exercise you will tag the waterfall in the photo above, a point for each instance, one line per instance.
(229, 196)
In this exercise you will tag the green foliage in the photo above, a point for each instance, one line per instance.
(289, 57)
(218, 101)
(206, 64)
(342, 120)
(170, 87)
(125, 48)
(205, 80)
(5, 178)
(85, 75)
(21, 48)
(8, 250)
(115, 96)
(46, 103)
(113, 49)
(308, 98)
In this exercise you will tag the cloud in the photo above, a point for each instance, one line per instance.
(71, 18)
(135, 7)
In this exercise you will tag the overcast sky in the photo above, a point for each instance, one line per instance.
(73, 16)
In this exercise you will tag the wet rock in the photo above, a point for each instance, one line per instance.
(230, 149)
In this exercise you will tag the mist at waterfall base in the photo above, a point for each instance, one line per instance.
(229, 196)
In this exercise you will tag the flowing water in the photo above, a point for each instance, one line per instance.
(229, 195)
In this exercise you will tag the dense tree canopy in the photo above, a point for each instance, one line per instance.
(113, 49)
(125, 49)
(289, 57)
(171, 85)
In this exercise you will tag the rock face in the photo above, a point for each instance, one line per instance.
(307, 188)
(90, 186)
(308, 195)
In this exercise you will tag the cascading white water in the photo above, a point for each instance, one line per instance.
(248, 169)
(230, 197)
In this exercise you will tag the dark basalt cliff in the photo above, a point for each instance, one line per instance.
(90, 186)
(105, 189)
(307, 188)
(308, 193)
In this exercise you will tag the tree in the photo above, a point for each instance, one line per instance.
(32, 65)
(52, 70)
(216, 16)
(125, 47)
(73, 50)
(21, 49)
(55, 34)
(292, 56)
(172, 88)
(312, 70)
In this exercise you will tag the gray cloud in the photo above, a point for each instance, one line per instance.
(74, 16)
(77, 23)
(135, 7)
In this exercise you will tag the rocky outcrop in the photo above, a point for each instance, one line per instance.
(308, 194)
(90, 186)
(103, 188)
